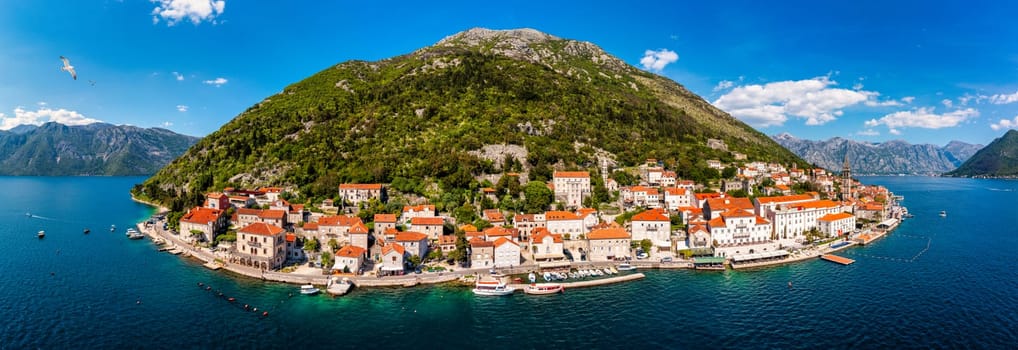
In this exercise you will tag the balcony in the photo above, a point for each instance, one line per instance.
(254, 244)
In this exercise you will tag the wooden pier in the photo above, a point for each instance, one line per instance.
(837, 259)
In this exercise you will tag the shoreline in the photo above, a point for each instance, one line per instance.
(159, 209)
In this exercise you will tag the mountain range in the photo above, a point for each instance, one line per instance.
(884, 158)
(54, 149)
(998, 159)
(478, 102)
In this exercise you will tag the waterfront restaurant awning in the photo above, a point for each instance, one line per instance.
(887, 223)
(338, 266)
(553, 264)
(550, 256)
(391, 268)
(762, 255)
(709, 260)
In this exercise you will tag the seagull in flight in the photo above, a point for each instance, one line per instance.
(68, 67)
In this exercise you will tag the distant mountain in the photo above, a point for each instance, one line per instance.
(891, 157)
(96, 149)
(998, 159)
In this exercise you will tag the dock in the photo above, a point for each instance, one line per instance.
(592, 283)
(338, 288)
(837, 259)
(212, 266)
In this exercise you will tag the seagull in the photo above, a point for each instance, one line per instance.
(68, 67)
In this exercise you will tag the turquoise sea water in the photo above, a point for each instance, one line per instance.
(72, 290)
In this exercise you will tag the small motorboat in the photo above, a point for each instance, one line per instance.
(626, 267)
(543, 288)
(308, 289)
(532, 277)
(113, 228)
(943, 213)
(86, 231)
(41, 234)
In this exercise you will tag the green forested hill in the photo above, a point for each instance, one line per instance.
(998, 159)
(419, 116)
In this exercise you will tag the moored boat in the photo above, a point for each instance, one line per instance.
(86, 231)
(492, 288)
(41, 234)
(626, 267)
(943, 213)
(543, 288)
(308, 289)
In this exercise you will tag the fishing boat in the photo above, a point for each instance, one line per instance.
(86, 231)
(626, 267)
(943, 213)
(41, 234)
(492, 288)
(308, 289)
(543, 288)
(135, 235)
(113, 228)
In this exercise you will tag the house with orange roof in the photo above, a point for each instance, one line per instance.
(494, 233)
(565, 223)
(792, 220)
(217, 200)
(698, 237)
(837, 224)
(390, 234)
(393, 259)
(507, 253)
(416, 243)
(590, 218)
(482, 253)
(202, 224)
(359, 235)
(261, 245)
(547, 246)
(294, 249)
(526, 223)
(431, 226)
(652, 224)
(349, 259)
(870, 211)
(677, 197)
(608, 244)
(653, 175)
(765, 205)
(739, 232)
(310, 229)
(447, 243)
(494, 216)
(701, 198)
(571, 187)
(668, 178)
(384, 222)
(354, 194)
(417, 211)
(716, 206)
(641, 196)
(336, 227)
(491, 193)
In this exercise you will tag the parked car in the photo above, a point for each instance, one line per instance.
(666, 259)
(642, 255)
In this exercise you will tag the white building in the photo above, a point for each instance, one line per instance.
(482, 253)
(791, 221)
(354, 194)
(431, 226)
(837, 224)
(201, 224)
(547, 246)
(608, 244)
(654, 225)
(261, 245)
(677, 197)
(392, 258)
(349, 259)
(571, 187)
(415, 243)
(564, 223)
(507, 253)
(740, 232)
(417, 211)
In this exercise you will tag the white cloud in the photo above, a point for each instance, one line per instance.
(894, 132)
(657, 60)
(908, 99)
(41, 104)
(815, 100)
(173, 11)
(724, 85)
(1000, 99)
(923, 118)
(180, 77)
(857, 86)
(868, 132)
(947, 102)
(1005, 124)
(44, 115)
(217, 82)
(182, 108)
(166, 124)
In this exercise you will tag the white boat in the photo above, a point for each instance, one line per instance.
(547, 276)
(113, 228)
(41, 234)
(543, 288)
(943, 213)
(607, 271)
(308, 289)
(492, 288)
(626, 267)
(532, 277)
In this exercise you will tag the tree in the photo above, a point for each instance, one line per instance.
(728, 173)
(311, 244)
(646, 244)
(333, 244)
(623, 178)
(539, 196)
(740, 193)
(435, 255)
(414, 260)
(327, 260)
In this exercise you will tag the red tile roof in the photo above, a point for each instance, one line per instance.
(480, 243)
(675, 191)
(338, 220)
(574, 174)
(447, 239)
(540, 235)
(358, 229)
(272, 214)
(493, 215)
(427, 221)
(835, 217)
(608, 233)
(360, 186)
(262, 229)
(350, 251)
(560, 215)
(501, 241)
(651, 215)
(419, 208)
(393, 247)
(201, 215)
(291, 237)
(410, 236)
(784, 199)
(385, 218)
(310, 226)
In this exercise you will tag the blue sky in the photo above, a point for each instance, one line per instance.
(925, 72)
